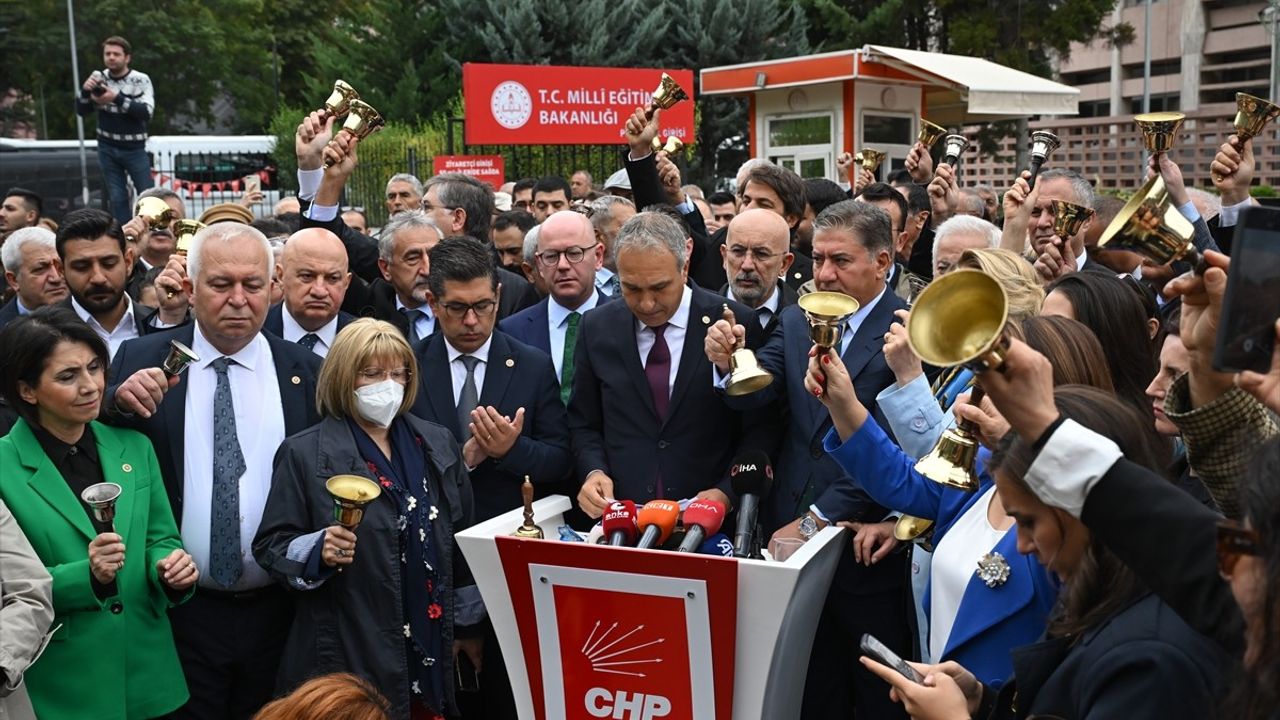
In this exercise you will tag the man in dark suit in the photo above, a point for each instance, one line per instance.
(853, 251)
(756, 257)
(646, 423)
(216, 429)
(313, 272)
(30, 258)
(95, 261)
(500, 400)
(567, 258)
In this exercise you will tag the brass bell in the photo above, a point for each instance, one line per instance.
(363, 121)
(1043, 143)
(351, 494)
(1150, 225)
(185, 231)
(745, 374)
(528, 529)
(930, 133)
(909, 528)
(826, 313)
(870, 159)
(179, 357)
(339, 101)
(155, 212)
(952, 462)
(672, 146)
(955, 147)
(666, 96)
(1068, 218)
(1159, 130)
(1253, 114)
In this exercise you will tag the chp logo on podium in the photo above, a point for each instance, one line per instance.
(623, 634)
(556, 105)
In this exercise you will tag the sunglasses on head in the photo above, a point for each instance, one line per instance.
(1234, 540)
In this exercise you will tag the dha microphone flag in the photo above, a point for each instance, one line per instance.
(620, 523)
(701, 518)
(657, 520)
(751, 476)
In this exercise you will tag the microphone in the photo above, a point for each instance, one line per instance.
(751, 476)
(657, 520)
(718, 544)
(701, 518)
(620, 523)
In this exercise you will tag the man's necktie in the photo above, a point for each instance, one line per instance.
(469, 398)
(309, 341)
(225, 565)
(657, 370)
(412, 315)
(566, 362)
(613, 285)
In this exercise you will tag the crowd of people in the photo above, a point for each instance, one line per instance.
(1120, 554)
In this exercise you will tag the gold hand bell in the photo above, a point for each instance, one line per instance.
(1159, 130)
(528, 529)
(155, 212)
(1252, 115)
(745, 374)
(673, 145)
(870, 159)
(666, 96)
(339, 101)
(362, 122)
(1151, 226)
(930, 133)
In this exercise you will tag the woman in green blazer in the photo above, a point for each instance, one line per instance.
(113, 658)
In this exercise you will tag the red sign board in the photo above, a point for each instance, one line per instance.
(488, 168)
(551, 105)
(648, 638)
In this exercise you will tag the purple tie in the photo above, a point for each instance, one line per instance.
(657, 370)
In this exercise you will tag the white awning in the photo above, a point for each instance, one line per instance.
(961, 89)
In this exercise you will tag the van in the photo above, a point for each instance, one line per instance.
(203, 169)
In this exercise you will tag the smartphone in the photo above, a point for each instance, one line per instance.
(876, 650)
(465, 674)
(252, 183)
(1246, 329)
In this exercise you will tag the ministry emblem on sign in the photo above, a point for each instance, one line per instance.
(511, 105)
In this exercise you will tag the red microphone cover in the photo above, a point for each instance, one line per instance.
(621, 517)
(662, 514)
(707, 514)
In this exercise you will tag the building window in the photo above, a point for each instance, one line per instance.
(807, 130)
(1159, 103)
(887, 129)
(1095, 108)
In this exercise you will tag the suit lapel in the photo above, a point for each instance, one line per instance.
(438, 384)
(541, 331)
(629, 348)
(695, 334)
(293, 391)
(111, 455)
(47, 482)
(173, 411)
(996, 603)
(498, 372)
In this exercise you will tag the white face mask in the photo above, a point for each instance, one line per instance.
(380, 402)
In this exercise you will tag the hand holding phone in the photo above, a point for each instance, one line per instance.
(878, 651)
(1246, 329)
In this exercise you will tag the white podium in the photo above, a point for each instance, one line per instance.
(590, 631)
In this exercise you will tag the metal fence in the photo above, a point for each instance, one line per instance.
(1109, 150)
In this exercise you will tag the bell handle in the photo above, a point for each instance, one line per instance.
(965, 425)
(1034, 167)
(730, 318)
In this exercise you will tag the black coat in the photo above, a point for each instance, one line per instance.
(353, 621)
(786, 296)
(1142, 662)
(9, 312)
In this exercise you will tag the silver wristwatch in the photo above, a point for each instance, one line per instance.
(809, 526)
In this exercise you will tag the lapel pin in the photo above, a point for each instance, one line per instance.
(511, 363)
(706, 320)
(126, 467)
(993, 569)
(295, 380)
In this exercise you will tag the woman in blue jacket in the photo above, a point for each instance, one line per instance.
(983, 598)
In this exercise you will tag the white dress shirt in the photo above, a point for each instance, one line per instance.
(771, 304)
(969, 538)
(293, 332)
(674, 337)
(458, 371)
(426, 321)
(558, 325)
(854, 323)
(603, 276)
(126, 329)
(255, 392)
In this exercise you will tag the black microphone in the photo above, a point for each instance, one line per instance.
(751, 476)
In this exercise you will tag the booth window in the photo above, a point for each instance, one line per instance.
(887, 129)
(810, 130)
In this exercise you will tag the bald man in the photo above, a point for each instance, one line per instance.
(756, 255)
(313, 272)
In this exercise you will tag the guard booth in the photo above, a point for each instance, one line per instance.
(805, 111)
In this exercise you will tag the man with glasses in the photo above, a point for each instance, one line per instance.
(567, 259)
(499, 399)
(885, 197)
(756, 257)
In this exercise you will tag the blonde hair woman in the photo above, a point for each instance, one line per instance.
(390, 615)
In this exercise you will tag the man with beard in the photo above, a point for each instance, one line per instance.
(95, 262)
(154, 246)
(756, 257)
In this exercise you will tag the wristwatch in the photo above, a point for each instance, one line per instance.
(809, 525)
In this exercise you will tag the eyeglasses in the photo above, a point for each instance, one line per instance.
(574, 255)
(428, 207)
(760, 255)
(400, 375)
(458, 311)
(1234, 540)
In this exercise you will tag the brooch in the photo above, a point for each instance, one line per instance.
(993, 569)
